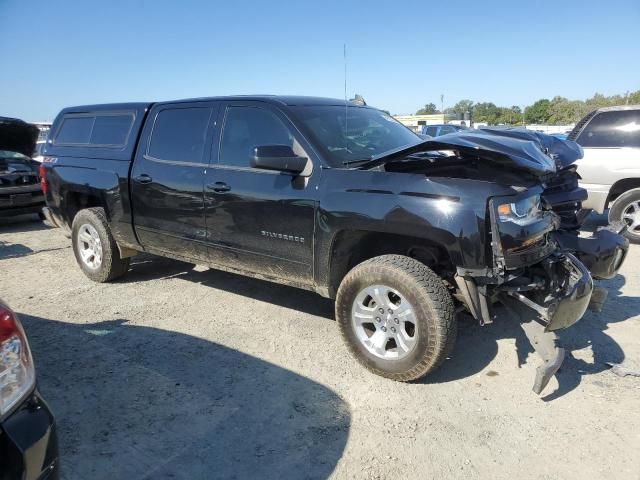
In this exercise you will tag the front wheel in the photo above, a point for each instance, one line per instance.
(626, 210)
(94, 247)
(396, 317)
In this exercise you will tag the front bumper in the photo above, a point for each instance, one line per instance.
(21, 200)
(28, 442)
(548, 296)
(566, 295)
(602, 253)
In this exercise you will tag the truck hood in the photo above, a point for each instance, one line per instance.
(18, 136)
(516, 148)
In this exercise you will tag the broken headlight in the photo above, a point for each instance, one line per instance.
(522, 212)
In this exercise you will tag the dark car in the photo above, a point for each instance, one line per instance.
(28, 441)
(444, 129)
(343, 200)
(20, 191)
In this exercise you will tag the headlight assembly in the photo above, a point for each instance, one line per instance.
(522, 212)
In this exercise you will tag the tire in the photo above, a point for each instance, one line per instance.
(93, 222)
(422, 291)
(626, 210)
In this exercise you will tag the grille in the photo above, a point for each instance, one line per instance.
(18, 179)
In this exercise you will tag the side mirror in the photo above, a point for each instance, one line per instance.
(278, 157)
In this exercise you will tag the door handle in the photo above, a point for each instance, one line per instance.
(143, 178)
(219, 187)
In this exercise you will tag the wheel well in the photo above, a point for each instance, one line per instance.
(620, 187)
(352, 247)
(76, 201)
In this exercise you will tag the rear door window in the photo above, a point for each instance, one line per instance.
(179, 134)
(432, 131)
(612, 129)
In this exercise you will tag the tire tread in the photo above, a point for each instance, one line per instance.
(443, 327)
(112, 265)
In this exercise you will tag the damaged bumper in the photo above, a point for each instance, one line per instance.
(548, 296)
(602, 253)
(568, 294)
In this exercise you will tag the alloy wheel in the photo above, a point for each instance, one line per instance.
(384, 322)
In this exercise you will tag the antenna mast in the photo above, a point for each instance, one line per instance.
(346, 101)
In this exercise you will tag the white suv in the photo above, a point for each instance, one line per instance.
(610, 169)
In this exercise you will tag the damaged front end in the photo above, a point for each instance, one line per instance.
(541, 268)
(545, 268)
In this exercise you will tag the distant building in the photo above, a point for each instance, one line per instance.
(415, 122)
(44, 128)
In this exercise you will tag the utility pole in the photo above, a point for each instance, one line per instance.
(442, 105)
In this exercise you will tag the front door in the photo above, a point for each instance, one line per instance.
(167, 179)
(260, 221)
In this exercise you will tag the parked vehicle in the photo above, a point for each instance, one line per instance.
(28, 439)
(610, 168)
(342, 200)
(437, 130)
(20, 191)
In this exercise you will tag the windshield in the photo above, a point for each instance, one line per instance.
(348, 135)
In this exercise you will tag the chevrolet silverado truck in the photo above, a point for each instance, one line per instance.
(341, 199)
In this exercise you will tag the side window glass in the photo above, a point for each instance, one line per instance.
(75, 130)
(445, 130)
(179, 134)
(432, 131)
(95, 130)
(612, 129)
(248, 127)
(111, 129)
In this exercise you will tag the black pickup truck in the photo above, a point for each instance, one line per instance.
(341, 199)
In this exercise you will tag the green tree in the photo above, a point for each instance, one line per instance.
(428, 109)
(461, 107)
(538, 112)
(486, 112)
(633, 98)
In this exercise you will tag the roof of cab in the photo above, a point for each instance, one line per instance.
(286, 100)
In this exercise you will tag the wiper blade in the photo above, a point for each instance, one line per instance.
(354, 162)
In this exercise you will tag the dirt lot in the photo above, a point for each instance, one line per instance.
(183, 372)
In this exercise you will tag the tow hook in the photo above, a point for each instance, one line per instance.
(546, 345)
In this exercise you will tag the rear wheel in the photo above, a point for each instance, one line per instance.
(396, 317)
(94, 247)
(626, 210)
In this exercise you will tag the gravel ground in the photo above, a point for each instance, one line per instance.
(178, 371)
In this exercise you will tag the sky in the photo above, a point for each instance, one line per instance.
(400, 54)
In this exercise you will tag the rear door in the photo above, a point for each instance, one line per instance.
(167, 178)
(260, 221)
